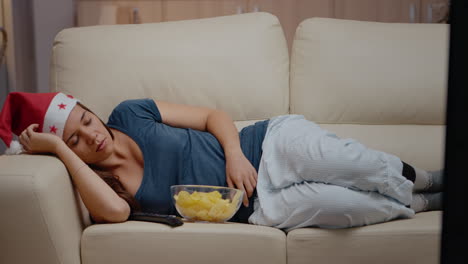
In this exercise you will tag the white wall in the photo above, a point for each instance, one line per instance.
(50, 16)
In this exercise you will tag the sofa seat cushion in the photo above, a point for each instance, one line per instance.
(144, 242)
(401, 241)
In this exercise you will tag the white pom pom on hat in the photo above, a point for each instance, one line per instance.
(15, 148)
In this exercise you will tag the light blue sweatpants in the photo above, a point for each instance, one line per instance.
(310, 177)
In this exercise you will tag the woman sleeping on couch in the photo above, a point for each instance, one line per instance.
(294, 173)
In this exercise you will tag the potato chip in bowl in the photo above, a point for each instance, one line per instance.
(206, 203)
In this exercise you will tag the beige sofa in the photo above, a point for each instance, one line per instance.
(383, 84)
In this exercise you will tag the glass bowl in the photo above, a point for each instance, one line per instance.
(206, 203)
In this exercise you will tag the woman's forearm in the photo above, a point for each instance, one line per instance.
(221, 125)
(102, 202)
(240, 173)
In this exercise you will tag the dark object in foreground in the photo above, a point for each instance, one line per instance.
(170, 220)
(454, 228)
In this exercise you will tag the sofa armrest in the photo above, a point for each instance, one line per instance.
(41, 219)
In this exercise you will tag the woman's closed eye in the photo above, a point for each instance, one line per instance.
(76, 139)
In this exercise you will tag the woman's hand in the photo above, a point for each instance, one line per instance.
(34, 142)
(241, 174)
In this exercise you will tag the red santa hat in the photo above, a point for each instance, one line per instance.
(49, 110)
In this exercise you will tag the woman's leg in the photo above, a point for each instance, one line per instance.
(297, 150)
(325, 206)
(426, 202)
(437, 181)
(424, 181)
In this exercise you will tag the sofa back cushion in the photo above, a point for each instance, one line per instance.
(345, 71)
(381, 83)
(236, 63)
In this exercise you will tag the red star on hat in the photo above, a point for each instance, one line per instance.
(53, 129)
(62, 106)
(69, 96)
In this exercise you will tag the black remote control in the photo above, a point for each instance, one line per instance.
(170, 220)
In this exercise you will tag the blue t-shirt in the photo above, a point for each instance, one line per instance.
(177, 155)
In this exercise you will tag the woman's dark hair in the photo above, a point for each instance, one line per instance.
(111, 179)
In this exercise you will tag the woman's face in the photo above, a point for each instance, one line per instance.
(87, 136)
